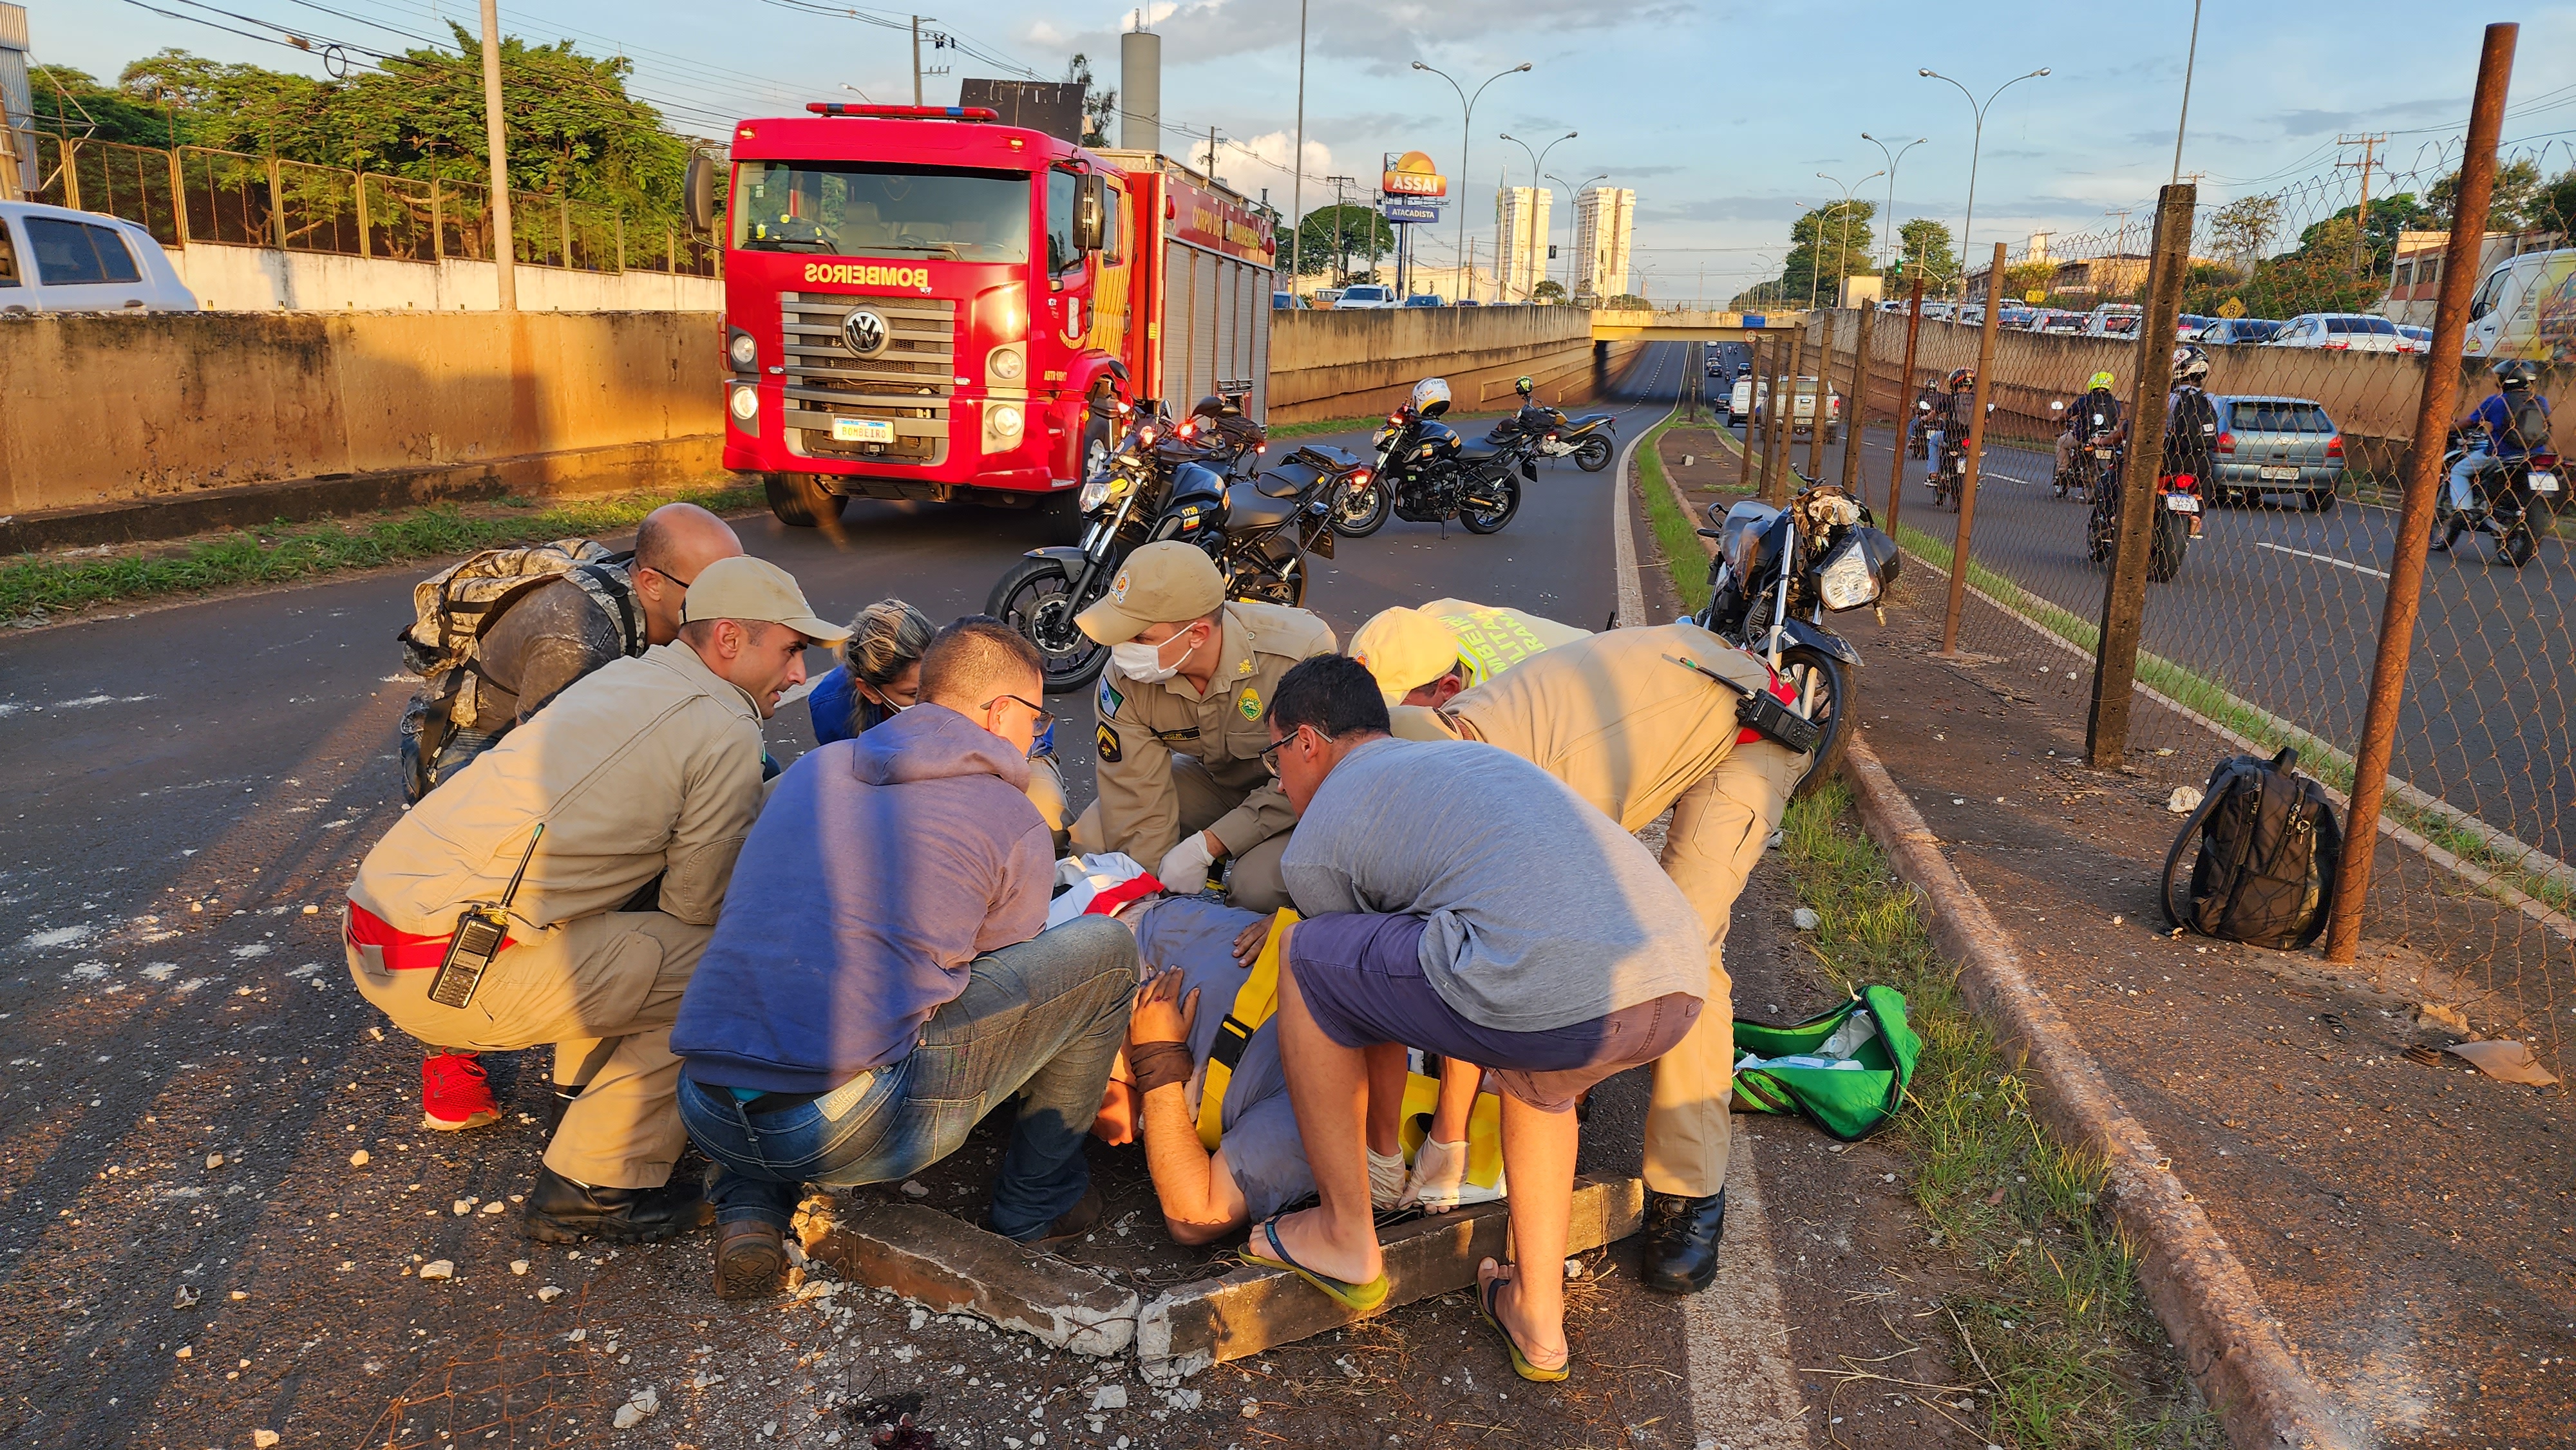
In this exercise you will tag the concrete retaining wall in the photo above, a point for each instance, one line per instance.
(1351, 364)
(260, 279)
(108, 409)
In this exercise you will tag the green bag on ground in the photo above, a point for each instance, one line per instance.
(1846, 1071)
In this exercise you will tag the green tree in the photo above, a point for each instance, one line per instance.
(1550, 290)
(2517, 187)
(73, 103)
(2388, 216)
(1099, 106)
(1628, 302)
(2242, 228)
(1331, 235)
(1924, 246)
(2554, 205)
(1827, 244)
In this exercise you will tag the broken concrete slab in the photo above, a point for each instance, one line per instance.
(953, 1267)
(1255, 1308)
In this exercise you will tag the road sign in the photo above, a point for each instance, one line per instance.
(2035, 296)
(1412, 211)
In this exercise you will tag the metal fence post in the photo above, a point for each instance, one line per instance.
(1856, 413)
(71, 174)
(1824, 386)
(276, 204)
(2415, 513)
(360, 192)
(1976, 456)
(437, 228)
(2124, 595)
(1752, 435)
(1904, 400)
(621, 243)
(1783, 415)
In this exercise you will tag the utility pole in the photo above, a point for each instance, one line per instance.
(2369, 152)
(1297, 161)
(916, 60)
(1341, 243)
(496, 137)
(1211, 155)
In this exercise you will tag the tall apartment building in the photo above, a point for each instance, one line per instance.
(1520, 228)
(1603, 219)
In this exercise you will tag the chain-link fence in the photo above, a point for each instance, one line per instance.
(2268, 580)
(194, 194)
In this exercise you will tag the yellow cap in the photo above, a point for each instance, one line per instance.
(1165, 583)
(1404, 649)
(755, 591)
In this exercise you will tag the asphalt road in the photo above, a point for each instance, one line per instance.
(2283, 607)
(184, 792)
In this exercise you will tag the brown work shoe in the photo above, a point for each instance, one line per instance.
(750, 1257)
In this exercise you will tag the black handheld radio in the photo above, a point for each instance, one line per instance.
(1762, 712)
(480, 933)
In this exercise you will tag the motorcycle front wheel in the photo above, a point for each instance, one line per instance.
(1507, 490)
(1593, 455)
(1036, 599)
(1362, 511)
(1824, 690)
(2519, 545)
(2165, 547)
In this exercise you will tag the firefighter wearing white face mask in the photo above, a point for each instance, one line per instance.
(1182, 705)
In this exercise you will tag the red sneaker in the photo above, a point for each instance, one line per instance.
(454, 1095)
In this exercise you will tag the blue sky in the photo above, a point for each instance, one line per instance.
(1719, 114)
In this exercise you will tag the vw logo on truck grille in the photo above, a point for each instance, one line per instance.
(866, 333)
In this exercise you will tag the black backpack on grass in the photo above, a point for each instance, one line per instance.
(2269, 846)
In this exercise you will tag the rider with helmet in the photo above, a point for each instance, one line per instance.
(1952, 415)
(2512, 422)
(2095, 419)
(2191, 423)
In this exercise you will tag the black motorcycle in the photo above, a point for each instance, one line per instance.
(2510, 500)
(1259, 533)
(2097, 458)
(1427, 474)
(1588, 440)
(1777, 574)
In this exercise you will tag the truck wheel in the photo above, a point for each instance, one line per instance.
(800, 500)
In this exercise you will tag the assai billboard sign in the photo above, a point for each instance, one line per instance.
(1413, 177)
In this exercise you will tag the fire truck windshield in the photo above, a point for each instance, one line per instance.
(881, 211)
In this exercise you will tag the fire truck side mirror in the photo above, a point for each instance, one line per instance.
(1091, 214)
(700, 194)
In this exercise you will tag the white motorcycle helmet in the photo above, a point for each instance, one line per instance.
(1430, 397)
(2190, 363)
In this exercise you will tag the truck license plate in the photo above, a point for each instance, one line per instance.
(2544, 483)
(862, 430)
(2182, 503)
(2279, 475)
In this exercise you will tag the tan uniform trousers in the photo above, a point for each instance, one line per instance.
(1252, 881)
(605, 988)
(1718, 830)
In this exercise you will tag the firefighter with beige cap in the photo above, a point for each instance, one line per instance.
(1183, 704)
(1425, 655)
(561, 887)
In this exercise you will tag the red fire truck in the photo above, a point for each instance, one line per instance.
(922, 303)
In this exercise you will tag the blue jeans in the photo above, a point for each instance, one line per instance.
(2470, 462)
(1042, 1020)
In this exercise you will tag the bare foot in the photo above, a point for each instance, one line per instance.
(1304, 1235)
(1544, 1346)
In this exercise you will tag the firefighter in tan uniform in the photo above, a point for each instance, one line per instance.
(1183, 779)
(1634, 733)
(619, 810)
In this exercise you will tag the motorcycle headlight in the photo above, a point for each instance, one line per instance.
(1095, 492)
(1846, 581)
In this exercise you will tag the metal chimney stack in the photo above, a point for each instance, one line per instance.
(1140, 91)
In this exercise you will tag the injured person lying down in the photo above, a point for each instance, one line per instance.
(1220, 1137)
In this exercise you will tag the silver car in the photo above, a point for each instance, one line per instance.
(2275, 445)
(2340, 332)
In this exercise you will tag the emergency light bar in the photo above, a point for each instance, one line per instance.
(905, 113)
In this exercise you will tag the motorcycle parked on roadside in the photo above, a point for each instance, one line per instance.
(1426, 474)
(2176, 522)
(2510, 500)
(1777, 573)
(1165, 482)
(1588, 440)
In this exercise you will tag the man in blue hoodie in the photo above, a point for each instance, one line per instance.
(878, 979)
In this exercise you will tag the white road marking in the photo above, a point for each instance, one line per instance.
(2324, 559)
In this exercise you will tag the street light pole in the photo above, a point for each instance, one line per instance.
(1842, 252)
(1892, 159)
(1297, 163)
(1573, 199)
(1976, 146)
(1466, 128)
(1536, 162)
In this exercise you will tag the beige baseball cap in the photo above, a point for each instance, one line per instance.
(1162, 583)
(1404, 649)
(755, 591)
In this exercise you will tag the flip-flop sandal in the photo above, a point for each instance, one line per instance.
(1520, 1362)
(1357, 1298)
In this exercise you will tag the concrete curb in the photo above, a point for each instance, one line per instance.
(2235, 1349)
(2231, 1342)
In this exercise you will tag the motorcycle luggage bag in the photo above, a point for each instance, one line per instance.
(2269, 850)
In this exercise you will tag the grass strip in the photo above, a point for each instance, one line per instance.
(1675, 534)
(34, 586)
(2052, 1326)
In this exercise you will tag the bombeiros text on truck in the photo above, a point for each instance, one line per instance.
(923, 303)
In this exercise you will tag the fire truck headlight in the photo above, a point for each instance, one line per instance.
(1002, 425)
(743, 403)
(744, 352)
(1006, 364)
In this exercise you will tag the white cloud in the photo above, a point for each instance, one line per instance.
(1269, 160)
